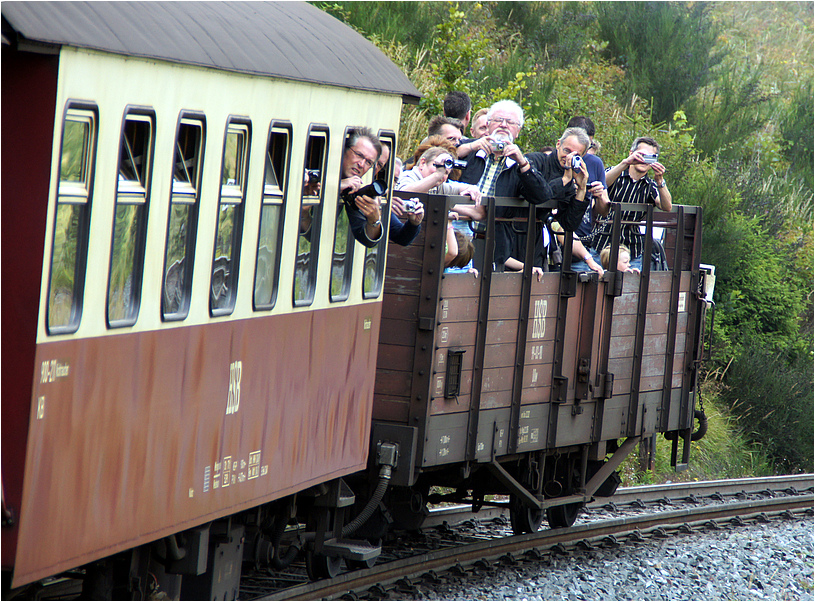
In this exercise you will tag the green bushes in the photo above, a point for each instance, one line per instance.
(755, 302)
(730, 111)
(773, 394)
(726, 452)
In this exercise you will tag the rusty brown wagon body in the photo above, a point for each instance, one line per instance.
(500, 376)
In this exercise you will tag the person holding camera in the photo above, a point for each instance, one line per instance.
(584, 258)
(399, 232)
(431, 174)
(568, 176)
(505, 171)
(362, 205)
(628, 182)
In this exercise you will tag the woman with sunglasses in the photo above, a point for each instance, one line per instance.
(431, 173)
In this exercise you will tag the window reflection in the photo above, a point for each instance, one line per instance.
(182, 225)
(74, 158)
(70, 236)
(269, 237)
(62, 301)
(224, 280)
(130, 220)
(305, 269)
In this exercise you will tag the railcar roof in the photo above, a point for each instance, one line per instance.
(291, 40)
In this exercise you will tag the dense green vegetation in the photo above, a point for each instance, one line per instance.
(726, 88)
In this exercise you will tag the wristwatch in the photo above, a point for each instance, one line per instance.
(376, 223)
(663, 185)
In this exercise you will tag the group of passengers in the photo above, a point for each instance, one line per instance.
(490, 164)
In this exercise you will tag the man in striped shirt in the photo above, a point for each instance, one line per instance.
(628, 182)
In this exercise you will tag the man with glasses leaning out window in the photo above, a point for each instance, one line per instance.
(362, 149)
(504, 171)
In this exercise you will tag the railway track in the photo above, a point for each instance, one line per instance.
(652, 512)
(653, 494)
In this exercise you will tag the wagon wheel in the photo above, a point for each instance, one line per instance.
(523, 518)
(408, 507)
(320, 566)
(562, 516)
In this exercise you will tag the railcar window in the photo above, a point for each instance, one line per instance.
(278, 152)
(70, 239)
(223, 285)
(375, 256)
(130, 218)
(305, 269)
(183, 219)
(343, 255)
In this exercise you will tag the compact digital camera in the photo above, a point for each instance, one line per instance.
(576, 162)
(497, 145)
(313, 176)
(410, 205)
(650, 158)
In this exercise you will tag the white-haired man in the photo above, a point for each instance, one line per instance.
(499, 168)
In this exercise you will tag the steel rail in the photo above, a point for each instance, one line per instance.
(646, 493)
(491, 550)
(453, 515)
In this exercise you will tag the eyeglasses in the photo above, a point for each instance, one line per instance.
(500, 120)
(362, 158)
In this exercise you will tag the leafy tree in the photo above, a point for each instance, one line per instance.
(458, 52)
(666, 49)
(757, 303)
(407, 22)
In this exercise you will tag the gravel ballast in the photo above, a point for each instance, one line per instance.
(755, 562)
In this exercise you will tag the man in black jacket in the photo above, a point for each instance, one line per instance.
(571, 184)
(505, 171)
